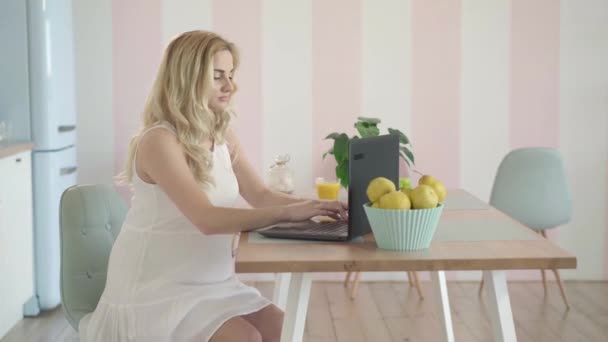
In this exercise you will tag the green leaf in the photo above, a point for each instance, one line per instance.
(408, 153)
(407, 161)
(342, 173)
(402, 137)
(333, 135)
(374, 121)
(330, 151)
(367, 130)
(341, 147)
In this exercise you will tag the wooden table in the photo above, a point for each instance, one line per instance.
(294, 263)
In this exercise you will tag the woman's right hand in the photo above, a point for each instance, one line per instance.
(307, 209)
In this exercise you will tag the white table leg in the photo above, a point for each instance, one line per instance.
(297, 306)
(281, 285)
(442, 305)
(499, 306)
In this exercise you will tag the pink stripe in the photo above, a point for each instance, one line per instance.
(534, 117)
(535, 35)
(436, 64)
(606, 221)
(336, 78)
(241, 22)
(136, 53)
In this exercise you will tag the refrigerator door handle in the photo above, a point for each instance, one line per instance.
(67, 170)
(66, 128)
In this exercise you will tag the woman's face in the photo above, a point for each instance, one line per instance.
(222, 87)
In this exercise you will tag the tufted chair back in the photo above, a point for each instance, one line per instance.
(90, 218)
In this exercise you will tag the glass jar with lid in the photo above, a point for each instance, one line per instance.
(281, 176)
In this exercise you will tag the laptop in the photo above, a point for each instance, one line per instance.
(368, 158)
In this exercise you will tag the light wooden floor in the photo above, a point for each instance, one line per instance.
(392, 311)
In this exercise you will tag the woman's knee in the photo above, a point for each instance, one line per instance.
(276, 322)
(268, 322)
(253, 335)
(237, 329)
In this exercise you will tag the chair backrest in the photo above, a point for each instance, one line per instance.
(91, 217)
(531, 186)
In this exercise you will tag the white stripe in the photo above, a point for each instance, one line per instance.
(386, 77)
(287, 86)
(93, 72)
(484, 97)
(484, 92)
(179, 16)
(386, 63)
(583, 130)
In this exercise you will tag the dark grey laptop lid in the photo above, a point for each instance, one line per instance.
(369, 158)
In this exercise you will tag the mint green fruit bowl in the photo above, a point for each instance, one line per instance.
(403, 230)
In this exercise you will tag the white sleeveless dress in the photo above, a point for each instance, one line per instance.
(166, 280)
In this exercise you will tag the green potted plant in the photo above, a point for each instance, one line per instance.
(367, 127)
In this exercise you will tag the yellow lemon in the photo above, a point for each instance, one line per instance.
(433, 182)
(440, 190)
(378, 187)
(424, 197)
(427, 180)
(394, 200)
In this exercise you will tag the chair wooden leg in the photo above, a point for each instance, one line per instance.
(347, 278)
(410, 278)
(480, 287)
(542, 272)
(561, 288)
(557, 277)
(353, 292)
(417, 283)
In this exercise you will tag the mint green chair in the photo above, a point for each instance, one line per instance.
(90, 219)
(531, 186)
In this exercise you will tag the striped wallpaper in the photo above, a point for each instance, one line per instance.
(467, 80)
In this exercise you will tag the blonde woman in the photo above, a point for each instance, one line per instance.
(171, 271)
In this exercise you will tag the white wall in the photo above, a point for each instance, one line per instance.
(386, 87)
(95, 124)
(584, 133)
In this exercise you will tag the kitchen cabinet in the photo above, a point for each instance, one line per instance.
(16, 238)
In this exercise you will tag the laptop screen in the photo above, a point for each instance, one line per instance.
(369, 158)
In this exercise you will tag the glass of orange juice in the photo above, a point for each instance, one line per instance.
(327, 190)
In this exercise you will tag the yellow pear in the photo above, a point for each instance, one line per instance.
(394, 200)
(375, 205)
(378, 187)
(408, 192)
(433, 182)
(424, 197)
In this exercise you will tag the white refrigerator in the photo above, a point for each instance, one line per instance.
(53, 121)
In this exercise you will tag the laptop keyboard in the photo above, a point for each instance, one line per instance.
(317, 228)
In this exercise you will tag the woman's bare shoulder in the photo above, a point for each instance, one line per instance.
(154, 147)
(158, 140)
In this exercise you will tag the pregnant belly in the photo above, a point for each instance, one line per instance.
(188, 258)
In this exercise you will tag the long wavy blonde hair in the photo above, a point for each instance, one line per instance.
(180, 96)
